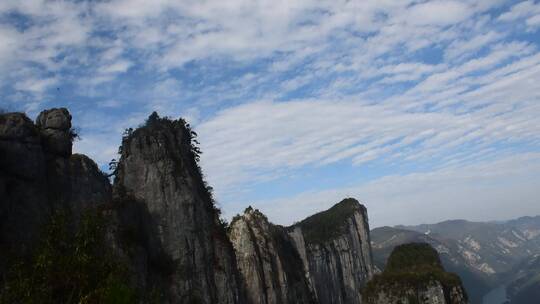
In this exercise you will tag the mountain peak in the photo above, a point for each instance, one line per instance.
(413, 256)
(328, 224)
(414, 274)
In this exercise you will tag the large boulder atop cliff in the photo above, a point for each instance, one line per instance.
(414, 274)
(55, 126)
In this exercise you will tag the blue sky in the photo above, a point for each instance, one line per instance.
(422, 110)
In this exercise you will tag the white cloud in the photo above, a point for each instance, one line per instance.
(520, 10)
(167, 34)
(36, 85)
(110, 103)
(481, 191)
(117, 67)
(397, 81)
(533, 22)
(438, 13)
(460, 48)
(8, 46)
(252, 140)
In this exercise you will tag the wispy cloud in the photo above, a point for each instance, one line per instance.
(280, 88)
(481, 191)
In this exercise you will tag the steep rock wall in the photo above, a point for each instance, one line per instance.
(39, 175)
(270, 266)
(336, 251)
(158, 170)
(330, 250)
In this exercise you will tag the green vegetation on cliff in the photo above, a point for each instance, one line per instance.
(413, 256)
(329, 224)
(409, 267)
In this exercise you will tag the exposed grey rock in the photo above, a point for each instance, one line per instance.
(330, 251)
(55, 127)
(158, 169)
(430, 293)
(270, 266)
(336, 252)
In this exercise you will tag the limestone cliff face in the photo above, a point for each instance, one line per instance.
(330, 250)
(39, 175)
(158, 170)
(414, 274)
(335, 249)
(429, 293)
(270, 266)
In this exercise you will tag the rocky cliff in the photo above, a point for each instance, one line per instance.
(270, 266)
(157, 176)
(155, 236)
(330, 250)
(38, 176)
(161, 222)
(414, 274)
(336, 251)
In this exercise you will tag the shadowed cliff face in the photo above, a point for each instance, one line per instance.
(158, 169)
(39, 175)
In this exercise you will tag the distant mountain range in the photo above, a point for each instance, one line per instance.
(483, 254)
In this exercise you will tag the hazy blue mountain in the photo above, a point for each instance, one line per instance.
(483, 254)
(385, 239)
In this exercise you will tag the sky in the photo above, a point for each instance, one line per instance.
(422, 110)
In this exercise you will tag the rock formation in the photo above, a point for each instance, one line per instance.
(158, 171)
(270, 266)
(39, 175)
(414, 274)
(331, 250)
(336, 251)
(163, 229)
